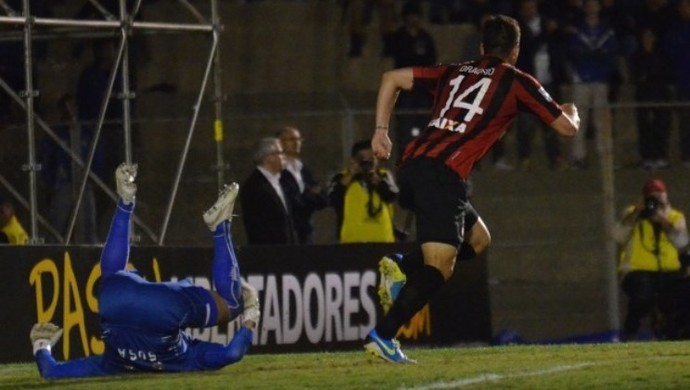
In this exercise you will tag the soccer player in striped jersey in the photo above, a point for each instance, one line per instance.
(143, 322)
(474, 104)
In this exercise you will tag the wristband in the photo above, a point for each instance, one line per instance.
(41, 344)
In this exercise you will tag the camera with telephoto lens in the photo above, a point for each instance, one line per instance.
(651, 205)
(366, 166)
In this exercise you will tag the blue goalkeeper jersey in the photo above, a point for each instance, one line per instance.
(142, 327)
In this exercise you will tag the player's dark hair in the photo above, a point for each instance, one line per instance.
(500, 34)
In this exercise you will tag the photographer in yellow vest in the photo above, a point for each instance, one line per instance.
(363, 196)
(651, 233)
(11, 231)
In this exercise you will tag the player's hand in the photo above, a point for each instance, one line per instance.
(44, 335)
(569, 108)
(381, 145)
(570, 112)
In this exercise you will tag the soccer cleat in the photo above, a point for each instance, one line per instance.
(124, 182)
(222, 209)
(388, 350)
(252, 311)
(392, 280)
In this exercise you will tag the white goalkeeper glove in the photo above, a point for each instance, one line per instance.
(44, 335)
(252, 311)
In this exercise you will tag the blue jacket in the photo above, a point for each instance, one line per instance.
(678, 48)
(592, 53)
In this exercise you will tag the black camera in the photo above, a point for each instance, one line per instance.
(366, 166)
(651, 205)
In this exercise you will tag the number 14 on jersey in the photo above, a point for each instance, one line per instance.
(469, 99)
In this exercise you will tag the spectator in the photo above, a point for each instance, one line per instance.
(466, 11)
(12, 72)
(678, 42)
(445, 11)
(412, 46)
(138, 47)
(540, 56)
(304, 194)
(569, 15)
(363, 197)
(104, 50)
(12, 67)
(620, 15)
(91, 89)
(652, 87)
(650, 234)
(653, 14)
(266, 213)
(593, 58)
(58, 171)
(360, 14)
(11, 231)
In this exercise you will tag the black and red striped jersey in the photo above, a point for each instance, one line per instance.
(474, 104)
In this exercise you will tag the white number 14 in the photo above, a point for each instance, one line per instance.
(470, 99)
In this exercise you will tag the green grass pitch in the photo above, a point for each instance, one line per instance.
(651, 365)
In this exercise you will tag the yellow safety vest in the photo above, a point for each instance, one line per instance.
(357, 225)
(15, 232)
(640, 253)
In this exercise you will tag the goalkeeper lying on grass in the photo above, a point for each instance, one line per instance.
(143, 322)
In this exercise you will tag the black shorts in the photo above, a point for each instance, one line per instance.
(438, 197)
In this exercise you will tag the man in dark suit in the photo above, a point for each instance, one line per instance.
(303, 193)
(266, 213)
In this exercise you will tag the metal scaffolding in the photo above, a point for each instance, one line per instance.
(126, 24)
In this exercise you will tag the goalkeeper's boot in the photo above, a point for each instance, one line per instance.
(124, 182)
(252, 311)
(388, 350)
(392, 280)
(222, 209)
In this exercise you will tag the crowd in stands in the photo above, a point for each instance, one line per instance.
(584, 51)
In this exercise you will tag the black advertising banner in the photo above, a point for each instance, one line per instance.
(313, 298)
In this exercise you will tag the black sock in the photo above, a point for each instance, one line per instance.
(466, 252)
(413, 296)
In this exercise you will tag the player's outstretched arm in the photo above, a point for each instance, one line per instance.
(391, 83)
(44, 335)
(49, 368)
(568, 123)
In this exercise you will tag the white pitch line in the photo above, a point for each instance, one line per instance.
(492, 377)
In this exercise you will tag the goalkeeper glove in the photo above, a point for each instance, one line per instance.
(251, 303)
(44, 335)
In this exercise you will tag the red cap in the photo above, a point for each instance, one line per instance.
(654, 185)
